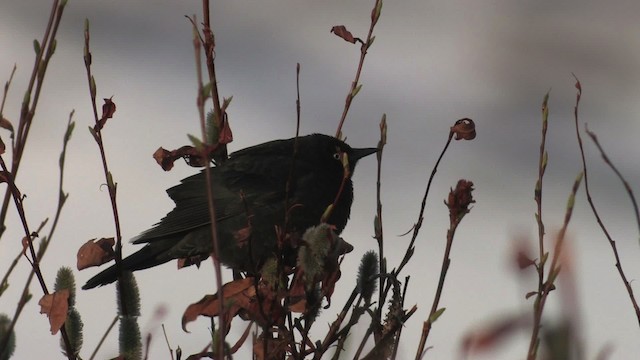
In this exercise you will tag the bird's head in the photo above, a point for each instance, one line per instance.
(334, 153)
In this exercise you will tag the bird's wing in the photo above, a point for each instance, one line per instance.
(245, 184)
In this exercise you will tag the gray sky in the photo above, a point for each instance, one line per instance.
(431, 64)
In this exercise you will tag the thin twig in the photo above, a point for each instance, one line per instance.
(612, 243)
(35, 260)
(111, 185)
(626, 185)
(416, 227)
(542, 165)
(283, 234)
(201, 98)
(375, 15)
(446, 262)
(396, 343)
(209, 44)
(554, 270)
(32, 95)
(378, 230)
(166, 339)
(7, 85)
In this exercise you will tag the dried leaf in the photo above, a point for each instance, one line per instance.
(191, 155)
(95, 253)
(56, 306)
(465, 129)
(342, 32)
(108, 108)
(163, 158)
(209, 305)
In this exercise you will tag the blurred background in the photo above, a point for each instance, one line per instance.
(431, 64)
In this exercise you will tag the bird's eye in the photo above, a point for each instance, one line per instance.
(337, 156)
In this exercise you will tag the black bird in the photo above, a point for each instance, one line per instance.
(249, 191)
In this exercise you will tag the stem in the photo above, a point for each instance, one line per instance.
(219, 347)
(354, 84)
(446, 261)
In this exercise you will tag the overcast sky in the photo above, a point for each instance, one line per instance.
(432, 63)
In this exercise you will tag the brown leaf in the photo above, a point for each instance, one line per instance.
(163, 158)
(95, 253)
(108, 108)
(56, 306)
(465, 129)
(192, 156)
(342, 32)
(209, 305)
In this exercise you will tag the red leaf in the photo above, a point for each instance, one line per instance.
(341, 31)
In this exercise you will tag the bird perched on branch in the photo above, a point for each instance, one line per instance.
(251, 200)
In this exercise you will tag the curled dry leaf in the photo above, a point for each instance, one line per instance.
(56, 306)
(108, 109)
(342, 32)
(191, 155)
(465, 129)
(240, 297)
(240, 291)
(95, 253)
(163, 158)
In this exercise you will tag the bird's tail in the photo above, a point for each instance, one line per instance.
(144, 258)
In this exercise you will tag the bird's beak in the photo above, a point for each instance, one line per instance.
(360, 153)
